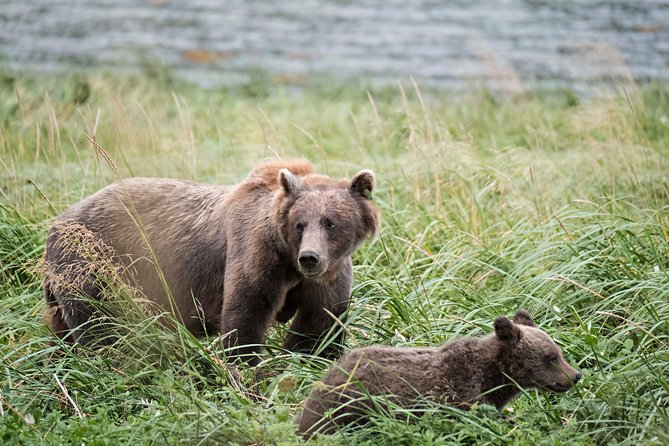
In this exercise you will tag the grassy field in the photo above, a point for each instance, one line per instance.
(545, 201)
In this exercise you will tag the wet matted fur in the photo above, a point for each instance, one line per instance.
(490, 370)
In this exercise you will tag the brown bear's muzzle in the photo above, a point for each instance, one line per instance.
(569, 376)
(308, 260)
(310, 263)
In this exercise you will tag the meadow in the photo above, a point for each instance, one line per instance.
(544, 200)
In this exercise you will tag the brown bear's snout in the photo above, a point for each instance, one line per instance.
(569, 377)
(572, 374)
(572, 379)
(309, 261)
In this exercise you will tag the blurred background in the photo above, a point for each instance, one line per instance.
(502, 44)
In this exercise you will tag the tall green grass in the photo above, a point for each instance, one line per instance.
(547, 201)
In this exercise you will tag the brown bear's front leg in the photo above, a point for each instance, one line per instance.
(312, 323)
(248, 311)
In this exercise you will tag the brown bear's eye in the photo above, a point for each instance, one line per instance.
(552, 358)
(299, 227)
(328, 224)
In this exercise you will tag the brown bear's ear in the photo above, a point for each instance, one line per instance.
(289, 182)
(363, 183)
(506, 330)
(522, 317)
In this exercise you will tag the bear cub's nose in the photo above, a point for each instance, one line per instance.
(578, 376)
(308, 259)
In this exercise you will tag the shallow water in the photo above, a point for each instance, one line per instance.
(503, 43)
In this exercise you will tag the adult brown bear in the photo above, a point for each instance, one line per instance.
(224, 259)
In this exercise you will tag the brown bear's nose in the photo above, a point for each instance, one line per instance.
(308, 259)
(578, 376)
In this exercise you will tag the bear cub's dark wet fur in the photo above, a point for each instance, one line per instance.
(489, 370)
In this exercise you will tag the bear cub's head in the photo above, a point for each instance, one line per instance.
(323, 220)
(530, 356)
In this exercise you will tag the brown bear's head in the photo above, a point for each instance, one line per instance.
(530, 357)
(322, 220)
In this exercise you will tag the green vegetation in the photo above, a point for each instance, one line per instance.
(546, 201)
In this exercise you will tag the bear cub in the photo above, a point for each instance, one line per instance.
(489, 370)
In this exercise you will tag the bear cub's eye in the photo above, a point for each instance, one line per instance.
(552, 358)
(299, 227)
(328, 224)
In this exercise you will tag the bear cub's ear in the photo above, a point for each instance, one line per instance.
(522, 317)
(289, 182)
(363, 183)
(506, 330)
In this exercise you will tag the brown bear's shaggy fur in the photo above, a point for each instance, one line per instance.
(224, 259)
(489, 370)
